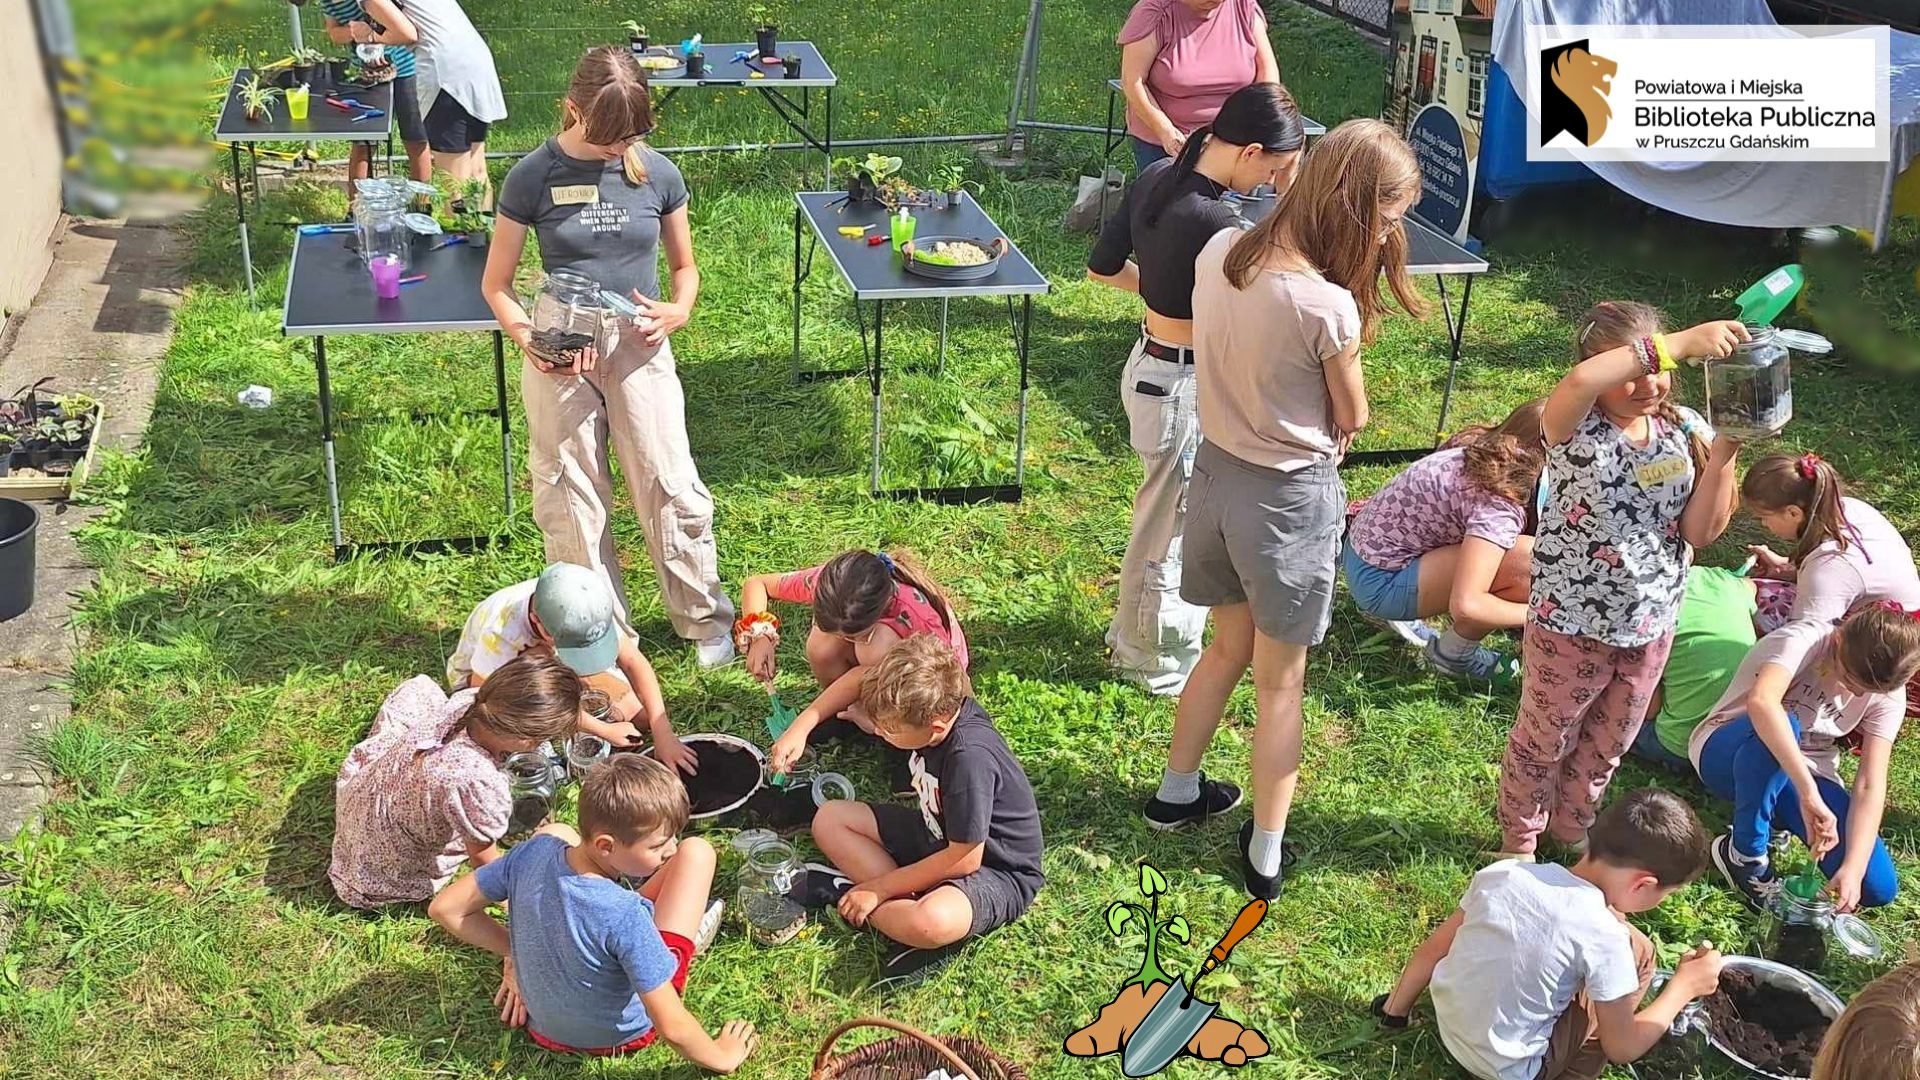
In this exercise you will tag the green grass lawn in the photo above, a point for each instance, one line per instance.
(174, 919)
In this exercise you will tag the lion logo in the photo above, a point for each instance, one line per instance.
(1573, 93)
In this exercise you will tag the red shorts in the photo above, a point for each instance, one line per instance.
(682, 950)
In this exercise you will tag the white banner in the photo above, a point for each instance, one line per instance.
(1708, 93)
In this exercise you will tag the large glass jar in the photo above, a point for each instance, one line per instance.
(532, 782)
(1803, 924)
(584, 751)
(1750, 392)
(771, 914)
(379, 213)
(568, 318)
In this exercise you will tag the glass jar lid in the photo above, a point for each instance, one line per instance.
(1803, 341)
(1861, 941)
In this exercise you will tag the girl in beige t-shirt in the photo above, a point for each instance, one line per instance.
(1280, 313)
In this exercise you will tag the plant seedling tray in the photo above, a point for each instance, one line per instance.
(58, 487)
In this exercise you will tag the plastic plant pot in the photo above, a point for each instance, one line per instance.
(792, 66)
(19, 525)
(696, 64)
(767, 40)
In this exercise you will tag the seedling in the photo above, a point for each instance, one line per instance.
(257, 99)
(636, 34)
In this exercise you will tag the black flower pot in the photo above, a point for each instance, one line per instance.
(285, 79)
(35, 454)
(861, 189)
(792, 64)
(767, 40)
(477, 239)
(696, 65)
(637, 42)
(303, 75)
(6, 463)
(337, 72)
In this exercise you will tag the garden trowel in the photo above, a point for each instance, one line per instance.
(780, 717)
(1177, 1017)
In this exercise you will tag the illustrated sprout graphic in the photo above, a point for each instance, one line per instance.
(1122, 914)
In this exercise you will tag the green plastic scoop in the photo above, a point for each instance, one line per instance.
(1805, 885)
(1765, 299)
(779, 718)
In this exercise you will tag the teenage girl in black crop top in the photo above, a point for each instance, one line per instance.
(1148, 247)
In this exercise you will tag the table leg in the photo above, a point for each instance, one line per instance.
(390, 165)
(326, 442)
(1020, 439)
(940, 368)
(879, 309)
(796, 293)
(827, 177)
(506, 421)
(253, 167)
(240, 206)
(1456, 330)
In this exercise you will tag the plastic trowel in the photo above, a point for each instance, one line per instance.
(780, 717)
(1765, 299)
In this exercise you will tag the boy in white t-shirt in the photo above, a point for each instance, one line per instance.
(1538, 975)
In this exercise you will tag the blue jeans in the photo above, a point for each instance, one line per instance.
(1737, 766)
(1145, 153)
(1648, 748)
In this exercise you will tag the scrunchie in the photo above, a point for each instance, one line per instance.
(1808, 465)
(886, 561)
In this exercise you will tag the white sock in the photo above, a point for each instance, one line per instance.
(1263, 850)
(1179, 787)
(1454, 647)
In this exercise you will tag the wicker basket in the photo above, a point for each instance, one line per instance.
(910, 1056)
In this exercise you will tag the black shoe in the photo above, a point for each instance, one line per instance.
(906, 966)
(1258, 884)
(899, 770)
(1216, 798)
(1756, 882)
(821, 886)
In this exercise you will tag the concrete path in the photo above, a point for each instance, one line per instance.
(101, 324)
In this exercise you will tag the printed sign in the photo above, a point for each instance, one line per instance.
(1446, 172)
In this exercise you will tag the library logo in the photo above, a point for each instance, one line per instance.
(1573, 95)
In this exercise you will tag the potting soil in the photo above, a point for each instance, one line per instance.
(1775, 1028)
(559, 347)
(529, 813)
(726, 774)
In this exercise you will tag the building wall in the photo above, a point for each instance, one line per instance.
(1439, 58)
(30, 177)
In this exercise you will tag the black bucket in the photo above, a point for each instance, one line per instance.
(18, 523)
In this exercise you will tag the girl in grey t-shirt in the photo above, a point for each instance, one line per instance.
(603, 206)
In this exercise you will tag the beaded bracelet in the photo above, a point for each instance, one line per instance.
(1648, 356)
(754, 625)
(1667, 362)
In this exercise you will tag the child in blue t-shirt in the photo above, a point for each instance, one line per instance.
(593, 967)
(350, 23)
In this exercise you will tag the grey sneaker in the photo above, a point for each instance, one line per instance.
(1480, 665)
(1412, 631)
(1755, 881)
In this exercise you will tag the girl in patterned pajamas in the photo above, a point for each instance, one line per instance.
(1634, 483)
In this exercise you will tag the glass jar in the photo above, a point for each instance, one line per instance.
(1802, 926)
(379, 215)
(531, 781)
(1750, 393)
(568, 318)
(772, 916)
(597, 704)
(584, 751)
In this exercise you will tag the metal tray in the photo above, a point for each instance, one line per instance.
(1694, 1017)
(679, 70)
(996, 249)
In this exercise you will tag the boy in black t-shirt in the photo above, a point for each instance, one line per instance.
(968, 859)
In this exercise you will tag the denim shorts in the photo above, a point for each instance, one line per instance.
(1388, 594)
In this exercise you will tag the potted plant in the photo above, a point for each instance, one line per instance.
(791, 62)
(7, 443)
(257, 99)
(766, 33)
(952, 179)
(464, 216)
(696, 64)
(304, 63)
(75, 407)
(864, 178)
(636, 35)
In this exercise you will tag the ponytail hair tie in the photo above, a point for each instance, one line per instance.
(886, 561)
(1894, 606)
(1808, 465)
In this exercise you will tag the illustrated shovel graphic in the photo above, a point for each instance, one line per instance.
(1177, 1017)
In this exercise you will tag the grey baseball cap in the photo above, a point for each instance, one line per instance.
(575, 605)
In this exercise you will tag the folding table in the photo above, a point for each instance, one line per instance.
(723, 70)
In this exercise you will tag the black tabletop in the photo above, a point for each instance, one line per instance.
(874, 272)
(329, 291)
(1429, 251)
(1314, 127)
(323, 120)
(724, 70)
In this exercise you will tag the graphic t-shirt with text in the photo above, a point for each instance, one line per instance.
(972, 790)
(590, 220)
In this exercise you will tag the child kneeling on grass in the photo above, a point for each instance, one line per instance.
(969, 859)
(593, 967)
(423, 792)
(1538, 975)
(571, 609)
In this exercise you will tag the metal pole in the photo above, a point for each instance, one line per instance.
(293, 16)
(1023, 74)
(879, 312)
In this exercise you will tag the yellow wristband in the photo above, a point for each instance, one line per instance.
(1660, 349)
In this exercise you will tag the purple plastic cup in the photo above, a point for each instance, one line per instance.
(386, 276)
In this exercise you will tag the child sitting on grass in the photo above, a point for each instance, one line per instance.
(593, 967)
(1538, 975)
(571, 609)
(1771, 747)
(423, 792)
(1718, 625)
(1878, 1036)
(968, 859)
(1450, 536)
(864, 603)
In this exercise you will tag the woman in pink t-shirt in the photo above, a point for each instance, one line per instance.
(1180, 59)
(863, 603)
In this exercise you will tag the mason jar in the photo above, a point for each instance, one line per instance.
(772, 869)
(531, 781)
(569, 318)
(1803, 927)
(379, 217)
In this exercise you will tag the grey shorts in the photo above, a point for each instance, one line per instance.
(1265, 538)
(997, 897)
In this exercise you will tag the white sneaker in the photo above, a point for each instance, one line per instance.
(709, 926)
(716, 652)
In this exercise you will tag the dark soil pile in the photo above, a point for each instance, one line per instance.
(1772, 1027)
(529, 813)
(726, 774)
(559, 347)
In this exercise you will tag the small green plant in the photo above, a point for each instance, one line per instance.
(634, 29)
(308, 57)
(74, 405)
(952, 176)
(876, 167)
(761, 16)
(257, 98)
(1120, 913)
(65, 432)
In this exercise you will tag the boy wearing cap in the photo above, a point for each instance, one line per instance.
(571, 609)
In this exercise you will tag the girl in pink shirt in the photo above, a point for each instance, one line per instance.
(423, 792)
(863, 603)
(1179, 61)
